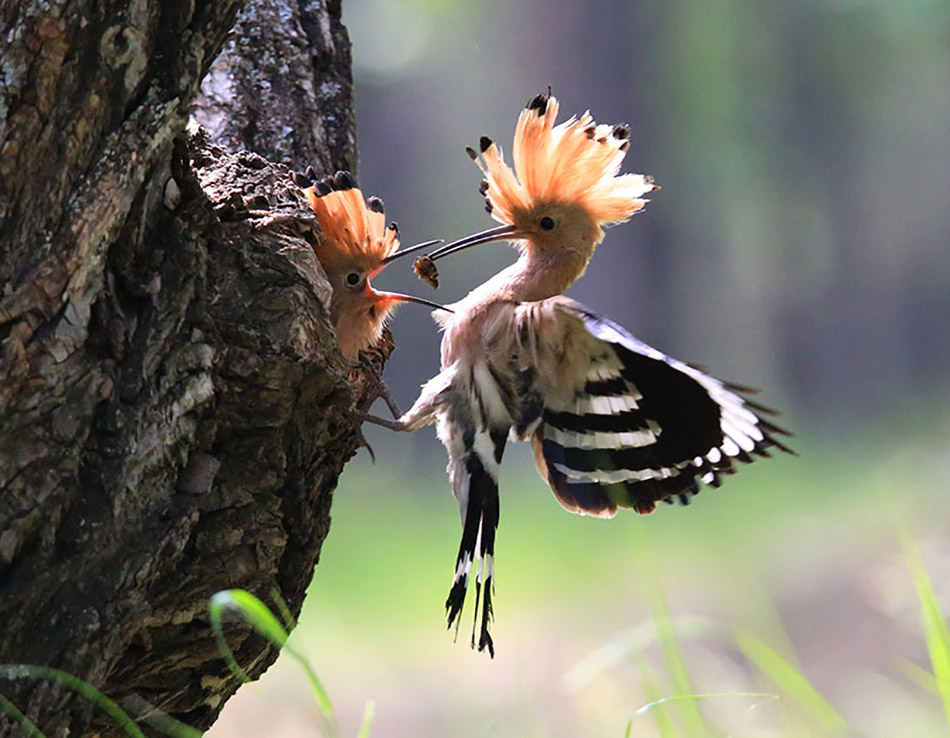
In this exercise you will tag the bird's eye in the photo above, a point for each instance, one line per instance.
(352, 279)
(547, 223)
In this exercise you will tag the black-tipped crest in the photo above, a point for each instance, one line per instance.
(472, 154)
(343, 180)
(483, 187)
(394, 227)
(353, 226)
(575, 161)
(539, 102)
(339, 182)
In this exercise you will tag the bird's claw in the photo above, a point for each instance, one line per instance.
(378, 388)
(365, 444)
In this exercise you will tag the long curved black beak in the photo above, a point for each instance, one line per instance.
(505, 232)
(399, 297)
(413, 249)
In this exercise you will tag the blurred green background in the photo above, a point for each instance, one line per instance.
(800, 243)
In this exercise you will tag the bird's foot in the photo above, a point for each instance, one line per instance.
(393, 425)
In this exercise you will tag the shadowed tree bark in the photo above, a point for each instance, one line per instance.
(172, 399)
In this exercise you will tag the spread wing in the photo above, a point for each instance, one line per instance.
(643, 427)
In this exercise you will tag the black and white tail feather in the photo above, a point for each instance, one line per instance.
(476, 556)
(645, 428)
(476, 445)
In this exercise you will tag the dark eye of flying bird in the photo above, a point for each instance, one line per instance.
(352, 279)
(547, 223)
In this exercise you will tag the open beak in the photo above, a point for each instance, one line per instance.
(397, 297)
(505, 232)
(412, 250)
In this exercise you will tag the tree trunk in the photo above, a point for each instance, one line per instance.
(283, 88)
(172, 399)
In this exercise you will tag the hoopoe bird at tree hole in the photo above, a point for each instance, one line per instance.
(357, 245)
(613, 421)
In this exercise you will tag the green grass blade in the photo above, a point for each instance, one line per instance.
(252, 610)
(935, 625)
(316, 686)
(761, 696)
(13, 712)
(216, 606)
(264, 622)
(692, 720)
(618, 650)
(918, 675)
(289, 622)
(368, 713)
(791, 681)
(21, 671)
(654, 692)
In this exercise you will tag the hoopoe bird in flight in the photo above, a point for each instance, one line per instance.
(356, 246)
(613, 422)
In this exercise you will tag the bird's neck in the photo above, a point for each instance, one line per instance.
(537, 275)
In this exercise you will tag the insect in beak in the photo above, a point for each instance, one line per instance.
(427, 271)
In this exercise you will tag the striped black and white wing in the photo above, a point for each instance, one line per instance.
(644, 427)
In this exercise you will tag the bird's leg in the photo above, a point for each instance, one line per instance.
(393, 425)
(423, 412)
(380, 389)
(390, 402)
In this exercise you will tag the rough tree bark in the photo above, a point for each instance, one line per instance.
(171, 395)
(282, 87)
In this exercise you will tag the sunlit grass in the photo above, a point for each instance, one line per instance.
(265, 622)
(934, 623)
(791, 681)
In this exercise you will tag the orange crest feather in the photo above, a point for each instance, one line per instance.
(353, 228)
(575, 162)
